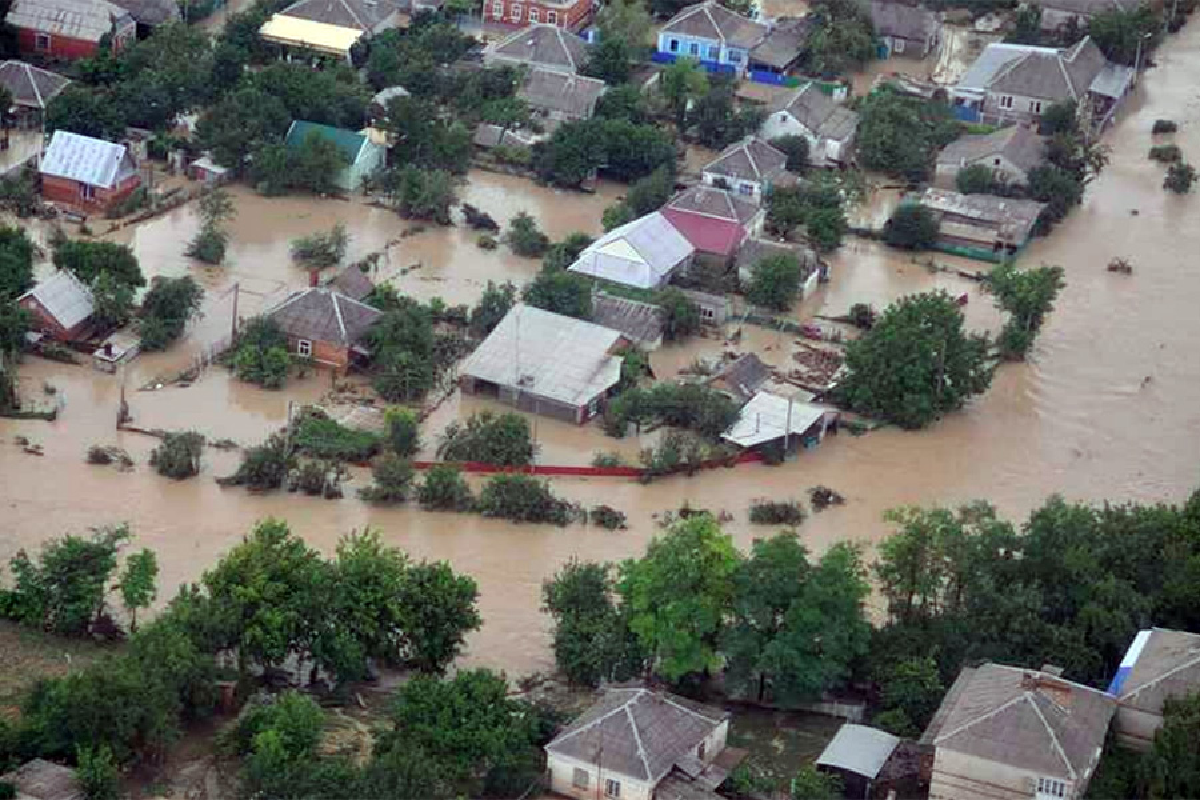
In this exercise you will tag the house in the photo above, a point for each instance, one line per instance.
(61, 305)
(1010, 153)
(206, 170)
(546, 363)
(560, 96)
(1060, 14)
(364, 156)
(741, 378)
(719, 38)
(324, 325)
(353, 282)
(1016, 83)
(149, 14)
(1005, 732)
(44, 780)
(754, 250)
(90, 174)
(905, 28)
(1160, 663)
(489, 136)
(779, 50)
(568, 15)
(638, 744)
(330, 27)
(981, 224)
(69, 29)
(769, 420)
(750, 168)
(546, 45)
(715, 221)
(644, 254)
(639, 323)
(809, 112)
(32, 88)
(857, 754)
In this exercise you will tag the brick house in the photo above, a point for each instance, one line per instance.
(61, 305)
(89, 174)
(568, 14)
(324, 325)
(70, 29)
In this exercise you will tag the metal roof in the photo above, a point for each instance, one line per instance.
(64, 297)
(319, 36)
(765, 418)
(1113, 80)
(31, 86)
(640, 323)
(859, 749)
(641, 253)
(87, 160)
(994, 58)
(361, 15)
(548, 355)
(567, 92)
(88, 20)
(324, 315)
(350, 143)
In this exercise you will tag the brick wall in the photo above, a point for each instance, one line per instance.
(571, 16)
(64, 190)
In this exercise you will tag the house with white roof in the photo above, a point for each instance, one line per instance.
(331, 27)
(90, 174)
(62, 306)
(644, 253)
(771, 420)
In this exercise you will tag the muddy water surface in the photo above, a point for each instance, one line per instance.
(1107, 407)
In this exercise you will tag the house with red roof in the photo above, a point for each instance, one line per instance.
(715, 221)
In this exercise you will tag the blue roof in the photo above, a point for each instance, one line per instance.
(349, 142)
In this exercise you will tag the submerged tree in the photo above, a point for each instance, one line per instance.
(215, 209)
(1028, 296)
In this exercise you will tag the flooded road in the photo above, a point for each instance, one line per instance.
(1080, 418)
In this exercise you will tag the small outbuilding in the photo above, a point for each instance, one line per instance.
(364, 157)
(771, 420)
(644, 254)
(857, 755)
(90, 174)
(755, 250)
(62, 307)
(742, 377)
(325, 325)
(981, 225)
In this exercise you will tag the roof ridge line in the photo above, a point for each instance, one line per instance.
(337, 312)
(977, 720)
(1053, 736)
(637, 737)
(37, 92)
(598, 719)
(680, 706)
(354, 14)
(1190, 663)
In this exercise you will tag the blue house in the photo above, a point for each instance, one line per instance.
(720, 39)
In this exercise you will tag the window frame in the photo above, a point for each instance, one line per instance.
(673, 45)
(517, 12)
(533, 15)
(40, 37)
(612, 788)
(303, 345)
(87, 191)
(694, 49)
(581, 779)
(498, 10)
(552, 17)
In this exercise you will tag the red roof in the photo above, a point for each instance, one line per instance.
(707, 234)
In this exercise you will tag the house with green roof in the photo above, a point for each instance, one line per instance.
(365, 156)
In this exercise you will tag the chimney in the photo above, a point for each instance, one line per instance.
(1056, 690)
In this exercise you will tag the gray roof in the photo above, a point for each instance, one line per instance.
(64, 297)
(1165, 663)
(903, 21)
(549, 355)
(640, 323)
(1019, 145)
(362, 15)
(751, 159)
(642, 733)
(1012, 218)
(1083, 7)
(323, 315)
(819, 112)
(151, 12)
(641, 253)
(755, 250)
(1112, 81)
(78, 19)
(712, 21)
(783, 43)
(352, 282)
(743, 376)
(1046, 73)
(566, 92)
(713, 202)
(44, 780)
(859, 749)
(489, 135)
(1025, 719)
(766, 418)
(31, 86)
(87, 160)
(545, 45)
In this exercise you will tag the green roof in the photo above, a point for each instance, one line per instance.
(349, 142)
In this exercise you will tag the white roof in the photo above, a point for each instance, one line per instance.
(319, 36)
(64, 297)
(859, 749)
(765, 419)
(87, 160)
(549, 355)
(641, 253)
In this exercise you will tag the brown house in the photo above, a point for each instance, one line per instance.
(325, 325)
(90, 174)
(62, 307)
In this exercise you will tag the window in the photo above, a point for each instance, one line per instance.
(1049, 787)
(552, 17)
(1006, 101)
(995, 162)
(498, 10)
(533, 14)
(517, 10)
(673, 45)
(707, 313)
(612, 788)
(304, 347)
(694, 49)
(746, 188)
(87, 191)
(580, 779)
(1035, 106)
(714, 52)
(41, 41)
(735, 57)
(700, 751)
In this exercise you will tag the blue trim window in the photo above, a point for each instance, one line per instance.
(694, 49)
(673, 45)
(714, 52)
(735, 57)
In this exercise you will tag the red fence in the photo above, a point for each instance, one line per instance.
(748, 457)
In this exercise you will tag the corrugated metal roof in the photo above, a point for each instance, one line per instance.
(87, 160)
(319, 36)
(349, 142)
(64, 297)
(640, 323)
(859, 749)
(88, 20)
(765, 418)
(548, 355)
(641, 253)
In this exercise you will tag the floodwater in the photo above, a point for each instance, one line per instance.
(1107, 408)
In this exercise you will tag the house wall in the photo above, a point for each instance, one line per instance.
(371, 159)
(1000, 165)
(526, 401)
(328, 353)
(67, 191)
(1135, 728)
(961, 777)
(912, 48)
(519, 13)
(562, 776)
(782, 123)
(69, 48)
(704, 49)
(45, 322)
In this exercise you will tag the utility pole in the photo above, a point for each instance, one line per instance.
(233, 322)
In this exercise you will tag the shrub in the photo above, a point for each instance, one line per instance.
(523, 498)
(525, 238)
(796, 150)
(486, 242)
(260, 354)
(504, 440)
(612, 459)
(862, 316)
(178, 456)
(8, 791)
(318, 436)
(681, 316)
(321, 250)
(97, 773)
(776, 512)
(976, 179)
(608, 517)
(263, 467)
(98, 455)
(403, 431)
(911, 227)
(444, 490)
(678, 450)
(166, 309)
(692, 406)
(209, 245)
(1180, 178)
(1164, 126)
(393, 477)
(1166, 153)
(774, 282)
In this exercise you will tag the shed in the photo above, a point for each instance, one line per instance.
(644, 253)
(86, 172)
(44, 780)
(207, 170)
(742, 377)
(640, 323)
(364, 157)
(62, 306)
(769, 418)
(981, 224)
(859, 750)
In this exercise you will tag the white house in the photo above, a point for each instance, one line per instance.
(1010, 153)
(809, 112)
(711, 34)
(644, 253)
(750, 168)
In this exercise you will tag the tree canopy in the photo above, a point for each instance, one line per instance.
(901, 135)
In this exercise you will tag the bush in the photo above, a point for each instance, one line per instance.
(444, 490)
(525, 238)
(318, 436)
(495, 302)
(774, 282)
(1164, 126)
(561, 292)
(263, 467)
(209, 245)
(486, 242)
(97, 772)
(321, 250)
(393, 477)
(178, 456)
(692, 406)
(403, 431)
(523, 498)
(260, 354)
(911, 227)
(862, 316)
(1180, 178)
(976, 179)
(681, 316)
(678, 450)
(166, 309)
(504, 440)
(608, 517)
(8, 791)
(99, 455)
(1166, 153)
(777, 512)
(796, 150)
(608, 460)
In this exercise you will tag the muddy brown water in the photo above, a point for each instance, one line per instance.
(1107, 408)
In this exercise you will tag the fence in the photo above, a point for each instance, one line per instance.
(477, 467)
(659, 57)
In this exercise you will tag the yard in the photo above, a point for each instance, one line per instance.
(27, 655)
(780, 742)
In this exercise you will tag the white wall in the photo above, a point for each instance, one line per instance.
(736, 185)
(781, 123)
(562, 776)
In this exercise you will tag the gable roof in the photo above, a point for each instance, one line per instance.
(1160, 663)
(1084, 7)
(566, 92)
(546, 45)
(1025, 719)
(323, 315)
(89, 20)
(151, 12)
(640, 323)
(86, 160)
(641, 253)
(1046, 73)
(712, 21)
(783, 43)
(754, 250)
(642, 733)
(350, 143)
(819, 112)
(713, 220)
(1014, 219)
(902, 21)
(751, 159)
(29, 85)
(359, 15)
(767, 417)
(743, 376)
(352, 282)
(1019, 145)
(64, 297)
(546, 354)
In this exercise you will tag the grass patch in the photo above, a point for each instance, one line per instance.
(780, 742)
(27, 655)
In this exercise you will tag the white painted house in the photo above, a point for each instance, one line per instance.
(828, 126)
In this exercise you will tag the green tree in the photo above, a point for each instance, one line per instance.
(443, 610)
(88, 259)
(652, 192)
(562, 255)
(678, 595)
(774, 282)
(1056, 187)
(83, 110)
(911, 227)
(976, 179)
(421, 194)
(1059, 118)
(137, 584)
(1027, 26)
(444, 490)
(330, 96)
(14, 322)
(314, 165)
(681, 314)
(504, 440)
(403, 431)
(625, 20)
(910, 692)
(392, 476)
(611, 60)
(16, 262)
(525, 238)
(809, 783)
(1180, 177)
(901, 135)
(826, 227)
(1028, 296)
(626, 101)
(592, 639)
(97, 773)
(1172, 767)
(796, 150)
(561, 292)
(841, 39)
(680, 84)
(112, 301)
(166, 309)
(717, 119)
(240, 123)
(916, 364)
(321, 250)
(215, 208)
(1119, 32)
(495, 302)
